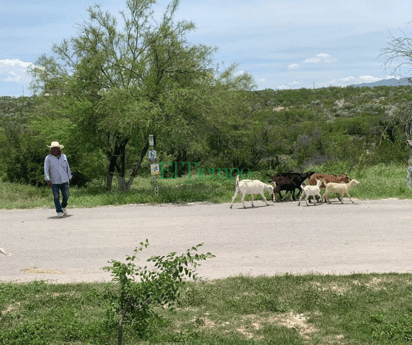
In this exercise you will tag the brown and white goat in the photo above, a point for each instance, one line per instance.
(328, 179)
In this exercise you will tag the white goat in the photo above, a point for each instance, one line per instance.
(251, 187)
(339, 188)
(308, 191)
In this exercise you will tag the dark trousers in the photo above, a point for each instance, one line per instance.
(56, 188)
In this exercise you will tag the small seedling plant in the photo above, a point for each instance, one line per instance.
(141, 290)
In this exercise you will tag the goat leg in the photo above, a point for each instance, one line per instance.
(264, 198)
(293, 195)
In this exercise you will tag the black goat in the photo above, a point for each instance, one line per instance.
(289, 182)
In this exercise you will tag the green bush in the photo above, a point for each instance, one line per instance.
(25, 163)
(141, 289)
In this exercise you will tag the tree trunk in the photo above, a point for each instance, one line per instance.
(136, 167)
(122, 170)
(113, 162)
(110, 175)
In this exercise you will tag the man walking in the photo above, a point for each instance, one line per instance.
(58, 176)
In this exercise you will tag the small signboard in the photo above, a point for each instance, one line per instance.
(154, 169)
(151, 140)
(152, 156)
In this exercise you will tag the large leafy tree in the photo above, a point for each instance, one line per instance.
(117, 86)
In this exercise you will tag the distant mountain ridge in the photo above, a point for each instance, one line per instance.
(385, 82)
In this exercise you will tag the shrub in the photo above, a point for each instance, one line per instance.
(141, 290)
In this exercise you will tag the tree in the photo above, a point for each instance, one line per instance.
(398, 48)
(401, 47)
(119, 86)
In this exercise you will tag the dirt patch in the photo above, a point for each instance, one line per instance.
(298, 322)
(249, 334)
(291, 320)
(341, 289)
(7, 310)
(281, 108)
(375, 282)
(340, 103)
(36, 270)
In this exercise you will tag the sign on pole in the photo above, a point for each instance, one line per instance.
(152, 156)
(151, 140)
(154, 169)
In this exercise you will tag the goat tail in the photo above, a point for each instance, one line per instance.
(237, 180)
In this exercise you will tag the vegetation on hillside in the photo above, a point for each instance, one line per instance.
(286, 130)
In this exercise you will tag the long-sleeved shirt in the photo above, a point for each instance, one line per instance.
(57, 170)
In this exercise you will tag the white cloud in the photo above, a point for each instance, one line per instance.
(238, 73)
(261, 80)
(14, 71)
(293, 66)
(290, 85)
(321, 57)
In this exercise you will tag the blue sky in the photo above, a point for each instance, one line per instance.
(284, 44)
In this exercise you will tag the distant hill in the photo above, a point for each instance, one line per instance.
(385, 82)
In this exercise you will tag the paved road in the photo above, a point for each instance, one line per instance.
(368, 236)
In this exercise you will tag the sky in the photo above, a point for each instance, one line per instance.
(283, 44)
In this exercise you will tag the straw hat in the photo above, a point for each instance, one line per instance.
(55, 144)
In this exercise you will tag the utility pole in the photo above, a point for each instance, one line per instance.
(154, 167)
(409, 173)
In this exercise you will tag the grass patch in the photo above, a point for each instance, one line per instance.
(376, 182)
(285, 309)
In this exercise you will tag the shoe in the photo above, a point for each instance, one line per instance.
(60, 214)
(64, 211)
